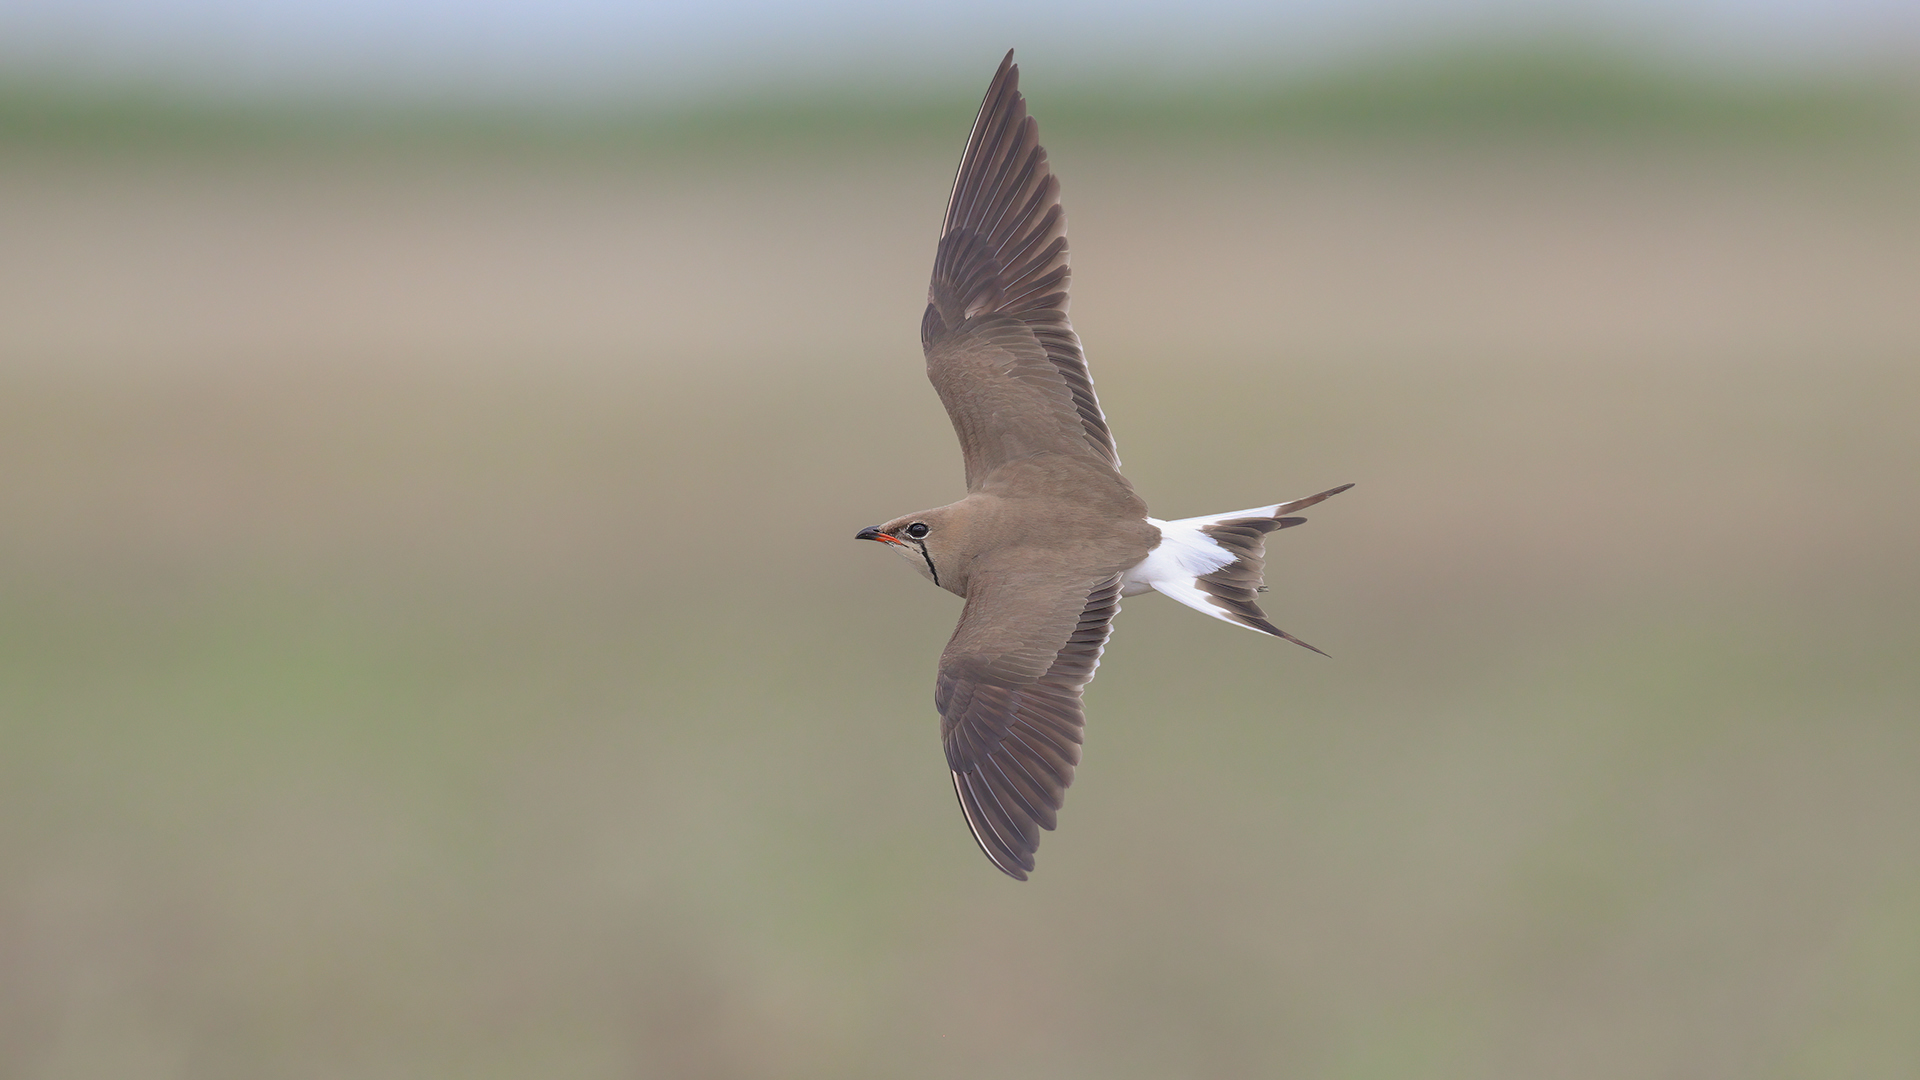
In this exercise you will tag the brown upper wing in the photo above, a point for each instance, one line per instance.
(1000, 350)
(1009, 701)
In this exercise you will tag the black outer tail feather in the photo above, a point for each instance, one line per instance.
(1235, 587)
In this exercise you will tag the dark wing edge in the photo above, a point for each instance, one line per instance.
(1003, 247)
(1012, 744)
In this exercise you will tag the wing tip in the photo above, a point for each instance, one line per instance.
(1015, 864)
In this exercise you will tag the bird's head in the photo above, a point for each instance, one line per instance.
(926, 539)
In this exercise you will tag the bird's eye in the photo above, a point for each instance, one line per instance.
(917, 530)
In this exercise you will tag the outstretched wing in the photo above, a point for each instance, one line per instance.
(1000, 350)
(1009, 701)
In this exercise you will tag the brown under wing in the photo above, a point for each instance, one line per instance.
(996, 321)
(1009, 700)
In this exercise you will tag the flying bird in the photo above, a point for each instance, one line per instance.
(1050, 536)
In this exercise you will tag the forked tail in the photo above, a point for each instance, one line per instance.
(1216, 564)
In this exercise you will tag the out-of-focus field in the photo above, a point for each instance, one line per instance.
(432, 642)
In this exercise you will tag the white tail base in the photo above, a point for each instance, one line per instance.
(1184, 556)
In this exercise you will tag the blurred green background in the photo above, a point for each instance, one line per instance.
(432, 643)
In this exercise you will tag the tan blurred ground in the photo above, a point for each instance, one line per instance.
(433, 644)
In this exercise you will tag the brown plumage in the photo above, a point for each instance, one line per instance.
(1050, 536)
